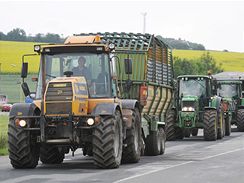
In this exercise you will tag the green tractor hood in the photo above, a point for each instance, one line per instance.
(189, 98)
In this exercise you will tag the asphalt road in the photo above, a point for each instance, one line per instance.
(187, 161)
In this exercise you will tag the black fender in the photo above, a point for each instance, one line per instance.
(22, 109)
(105, 109)
(215, 103)
(130, 104)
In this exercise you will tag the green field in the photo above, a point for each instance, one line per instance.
(3, 134)
(11, 54)
(231, 61)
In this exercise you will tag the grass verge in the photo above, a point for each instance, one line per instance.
(3, 135)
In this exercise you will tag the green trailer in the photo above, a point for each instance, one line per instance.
(145, 70)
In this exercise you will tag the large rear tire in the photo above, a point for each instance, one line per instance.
(132, 150)
(210, 125)
(23, 152)
(170, 128)
(50, 154)
(227, 126)
(107, 141)
(240, 120)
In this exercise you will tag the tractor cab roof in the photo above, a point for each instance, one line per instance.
(194, 76)
(229, 81)
(74, 44)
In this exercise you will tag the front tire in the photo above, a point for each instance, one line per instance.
(227, 126)
(240, 120)
(210, 125)
(107, 142)
(187, 132)
(170, 128)
(221, 129)
(50, 154)
(194, 132)
(132, 150)
(23, 152)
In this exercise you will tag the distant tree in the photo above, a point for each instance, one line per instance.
(184, 67)
(181, 44)
(16, 35)
(207, 63)
(2, 36)
(52, 38)
(198, 66)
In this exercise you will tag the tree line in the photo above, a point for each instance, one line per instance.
(19, 34)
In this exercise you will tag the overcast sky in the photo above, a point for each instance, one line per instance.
(217, 25)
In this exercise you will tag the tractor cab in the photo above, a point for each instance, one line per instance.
(229, 89)
(193, 90)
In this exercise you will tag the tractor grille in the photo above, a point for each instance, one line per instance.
(188, 104)
(59, 92)
(59, 108)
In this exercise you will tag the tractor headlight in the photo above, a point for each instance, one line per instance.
(37, 48)
(22, 123)
(188, 109)
(111, 46)
(90, 121)
(184, 109)
(191, 109)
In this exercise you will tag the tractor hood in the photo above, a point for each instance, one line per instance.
(189, 98)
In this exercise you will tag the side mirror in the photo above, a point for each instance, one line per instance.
(25, 89)
(24, 70)
(128, 66)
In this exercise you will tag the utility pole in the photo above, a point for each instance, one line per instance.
(144, 22)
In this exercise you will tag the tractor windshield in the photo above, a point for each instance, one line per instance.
(192, 86)
(94, 67)
(227, 90)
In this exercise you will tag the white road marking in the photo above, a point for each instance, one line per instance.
(173, 166)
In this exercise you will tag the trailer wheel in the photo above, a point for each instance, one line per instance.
(170, 126)
(210, 125)
(240, 120)
(194, 132)
(227, 126)
(23, 153)
(162, 136)
(154, 143)
(132, 150)
(107, 141)
(50, 154)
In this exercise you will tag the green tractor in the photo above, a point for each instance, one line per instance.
(230, 91)
(196, 107)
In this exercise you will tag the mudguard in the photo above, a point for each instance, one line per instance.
(22, 109)
(129, 104)
(214, 103)
(105, 109)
